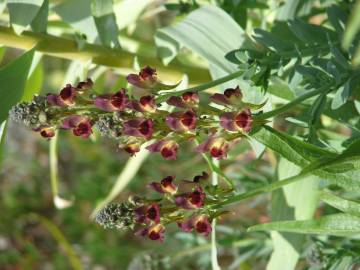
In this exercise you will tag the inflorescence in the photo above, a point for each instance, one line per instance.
(189, 204)
(132, 122)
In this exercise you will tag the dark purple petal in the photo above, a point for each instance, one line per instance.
(103, 103)
(227, 121)
(71, 121)
(202, 225)
(244, 120)
(219, 99)
(180, 121)
(190, 98)
(139, 128)
(88, 84)
(67, 95)
(52, 99)
(217, 147)
(156, 186)
(186, 226)
(176, 101)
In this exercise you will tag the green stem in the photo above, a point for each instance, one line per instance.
(201, 87)
(68, 49)
(291, 104)
(54, 166)
(264, 189)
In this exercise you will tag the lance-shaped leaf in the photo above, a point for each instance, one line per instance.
(337, 224)
(344, 205)
(13, 77)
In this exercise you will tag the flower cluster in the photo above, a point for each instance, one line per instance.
(188, 204)
(135, 121)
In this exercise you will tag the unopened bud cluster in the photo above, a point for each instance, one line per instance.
(132, 122)
(188, 204)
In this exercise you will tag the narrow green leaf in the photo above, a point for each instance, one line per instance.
(288, 203)
(337, 18)
(356, 58)
(344, 205)
(341, 95)
(13, 78)
(39, 23)
(22, 12)
(353, 26)
(105, 22)
(338, 224)
(128, 11)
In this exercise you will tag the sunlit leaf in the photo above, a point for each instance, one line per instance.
(22, 13)
(344, 205)
(13, 78)
(337, 224)
(105, 22)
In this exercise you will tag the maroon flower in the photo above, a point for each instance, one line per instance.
(217, 147)
(88, 84)
(200, 178)
(200, 223)
(181, 121)
(111, 103)
(132, 148)
(45, 131)
(231, 96)
(188, 99)
(167, 148)
(81, 125)
(165, 186)
(155, 232)
(147, 78)
(191, 200)
(65, 98)
(145, 104)
(139, 128)
(148, 213)
(237, 122)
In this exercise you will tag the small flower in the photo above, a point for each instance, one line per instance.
(47, 132)
(155, 232)
(188, 99)
(147, 78)
(132, 148)
(181, 121)
(200, 178)
(145, 104)
(191, 200)
(200, 223)
(88, 84)
(65, 98)
(217, 147)
(231, 96)
(165, 186)
(111, 103)
(139, 128)
(237, 122)
(148, 213)
(167, 148)
(81, 125)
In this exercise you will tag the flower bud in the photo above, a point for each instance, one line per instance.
(120, 216)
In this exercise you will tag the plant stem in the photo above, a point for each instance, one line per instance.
(264, 189)
(68, 49)
(289, 105)
(201, 87)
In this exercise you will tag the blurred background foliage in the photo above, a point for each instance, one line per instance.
(34, 234)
